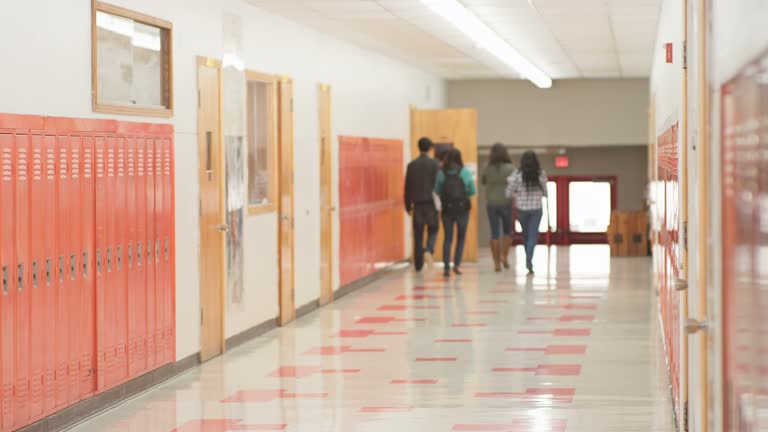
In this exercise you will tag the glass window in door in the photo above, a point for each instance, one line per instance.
(589, 206)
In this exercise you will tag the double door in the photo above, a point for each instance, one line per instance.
(577, 210)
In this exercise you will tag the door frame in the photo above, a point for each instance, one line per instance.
(217, 64)
(562, 236)
(286, 285)
(327, 208)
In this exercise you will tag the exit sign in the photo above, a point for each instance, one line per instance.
(561, 161)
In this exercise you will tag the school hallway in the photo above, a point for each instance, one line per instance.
(574, 349)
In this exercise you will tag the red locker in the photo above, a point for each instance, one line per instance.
(118, 273)
(73, 282)
(7, 271)
(130, 248)
(21, 390)
(50, 245)
(37, 282)
(88, 296)
(149, 238)
(156, 222)
(100, 246)
(141, 239)
(62, 252)
(110, 285)
(169, 262)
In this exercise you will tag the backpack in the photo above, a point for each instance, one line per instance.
(454, 197)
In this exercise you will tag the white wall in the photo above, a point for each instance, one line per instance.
(46, 70)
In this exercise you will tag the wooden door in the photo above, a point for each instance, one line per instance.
(287, 306)
(326, 197)
(459, 128)
(211, 209)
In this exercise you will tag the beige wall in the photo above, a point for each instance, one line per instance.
(628, 163)
(571, 113)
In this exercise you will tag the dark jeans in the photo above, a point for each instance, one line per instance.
(500, 217)
(529, 220)
(460, 222)
(424, 216)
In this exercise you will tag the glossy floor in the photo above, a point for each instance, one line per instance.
(574, 349)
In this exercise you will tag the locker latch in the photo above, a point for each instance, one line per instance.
(109, 260)
(47, 272)
(119, 257)
(157, 251)
(34, 274)
(130, 256)
(138, 254)
(85, 264)
(5, 280)
(61, 268)
(72, 267)
(98, 261)
(21, 277)
(165, 249)
(149, 252)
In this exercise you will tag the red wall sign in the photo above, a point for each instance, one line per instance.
(670, 56)
(561, 161)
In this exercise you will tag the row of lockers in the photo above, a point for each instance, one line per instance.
(87, 260)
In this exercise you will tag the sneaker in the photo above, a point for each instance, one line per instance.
(429, 259)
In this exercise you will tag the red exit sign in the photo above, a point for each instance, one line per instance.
(561, 161)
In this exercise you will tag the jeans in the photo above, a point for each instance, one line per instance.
(529, 220)
(418, 241)
(500, 217)
(460, 222)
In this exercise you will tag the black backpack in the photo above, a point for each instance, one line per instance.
(454, 197)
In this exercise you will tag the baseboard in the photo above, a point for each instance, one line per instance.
(101, 402)
(373, 277)
(97, 404)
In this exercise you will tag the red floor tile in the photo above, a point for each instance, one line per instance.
(547, 370)
(386, 409)
(338, 350)
(254, 396)
(226, 425)
(554, 349)
(471, 325)
(417, 381)
(436, 359)
(405, 308)
(453, 341)
(563, 395)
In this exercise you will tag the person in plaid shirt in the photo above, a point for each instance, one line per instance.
(527, 186)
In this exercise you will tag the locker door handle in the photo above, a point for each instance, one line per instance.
(149, 252)
(138, 254)
(20, 277)
(47, 272)
(98, 261)
(222, 228)
(61, 268)
(34, 274)
(119, 257)
(130, 256)
(85, 265)
(73, 267)
(157, 251)
(5, 280)
(166, 249)
(109, 260)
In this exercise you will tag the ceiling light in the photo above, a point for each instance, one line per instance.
(487, 39)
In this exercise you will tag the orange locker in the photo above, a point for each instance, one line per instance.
(141, 236)
(7, 269)
(110, 320)
(148, 216)
(36, 287)
(62, 251)
(168, 242)
(156, 221)
(88, 298)
(21, 282)
(118, 273)
(130, 247)
(73, 284)
(100, 246)
(50, 245)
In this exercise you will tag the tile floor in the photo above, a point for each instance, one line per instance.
(574, 349)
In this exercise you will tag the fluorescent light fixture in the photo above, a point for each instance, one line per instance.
(484, 37)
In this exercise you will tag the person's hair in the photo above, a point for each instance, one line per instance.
(425, 145)
(499, 155)
(452, 159)
(529, 165)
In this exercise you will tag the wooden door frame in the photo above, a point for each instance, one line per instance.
(215, 63)
(286, 309)
(326, 184)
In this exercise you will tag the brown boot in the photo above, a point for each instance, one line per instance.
(506, 243)
(496, 251)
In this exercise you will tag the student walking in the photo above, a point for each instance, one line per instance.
(527, 186)
(455, 186)
(498, 206)
(420, 180)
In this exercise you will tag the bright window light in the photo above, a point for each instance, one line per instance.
(484, 37)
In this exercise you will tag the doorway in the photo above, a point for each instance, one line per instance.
(577, 210)
(326, 197)
(212, 228)
(287, 307)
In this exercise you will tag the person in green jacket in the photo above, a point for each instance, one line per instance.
(455, 186)
(498, 206)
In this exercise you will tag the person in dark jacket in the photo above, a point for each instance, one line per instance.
(420, 180)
